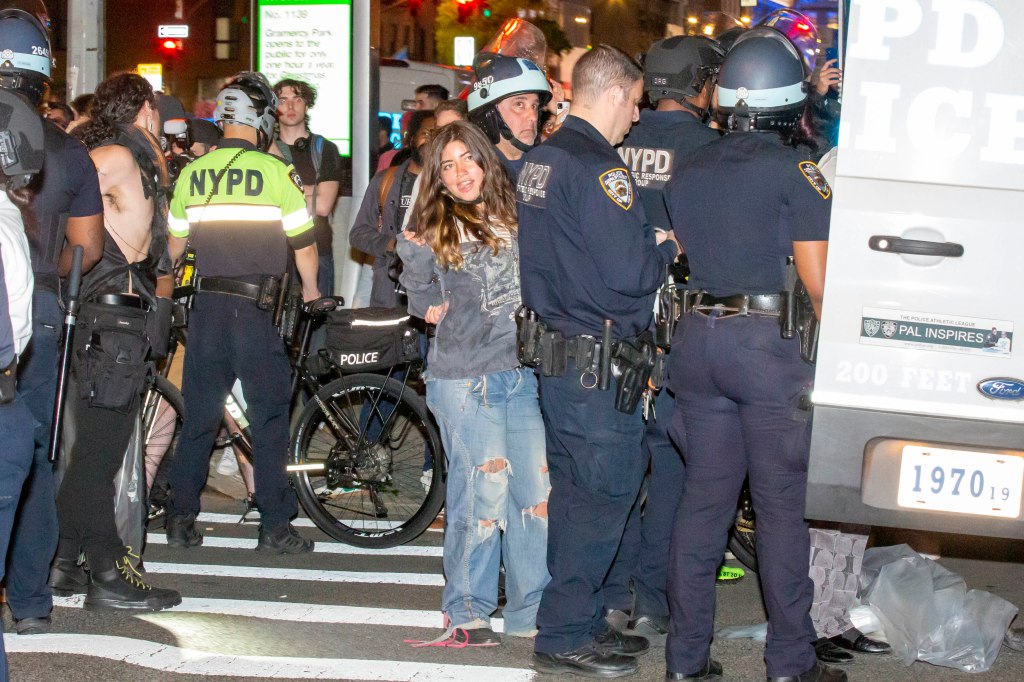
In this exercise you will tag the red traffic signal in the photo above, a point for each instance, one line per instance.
(169, 48)
(466, 9)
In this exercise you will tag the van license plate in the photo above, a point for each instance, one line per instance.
(960, 481)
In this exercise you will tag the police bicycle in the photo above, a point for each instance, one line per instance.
(360, 447)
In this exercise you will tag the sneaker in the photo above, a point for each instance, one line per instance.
(68, 577)
(589, 660)
(728, 575)
(283, 540)
(122, 588)
(474, 634)
(181, 531)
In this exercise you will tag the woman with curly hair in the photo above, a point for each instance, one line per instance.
(462, 274)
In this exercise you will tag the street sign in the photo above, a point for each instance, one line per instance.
(154, 73)
(172, 31)
(465, 50)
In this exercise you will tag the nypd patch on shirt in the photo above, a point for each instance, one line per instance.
(296, 180)
(814, 176)
(532, 183)
(615, 184)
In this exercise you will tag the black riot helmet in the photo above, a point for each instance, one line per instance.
(25, 59)
(21, 141)
(680, 66)
(499, 77)
(761, 83)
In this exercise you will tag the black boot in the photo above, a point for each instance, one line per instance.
(181, 531)
(68, 577)
(122, 587)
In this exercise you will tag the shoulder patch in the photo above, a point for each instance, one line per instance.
(296, 179)
(810, 170)
(616, 185)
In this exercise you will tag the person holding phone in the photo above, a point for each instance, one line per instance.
(823, 99)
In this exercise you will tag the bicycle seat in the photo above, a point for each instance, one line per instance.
(323, 305)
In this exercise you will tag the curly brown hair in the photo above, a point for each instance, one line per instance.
(440, 216)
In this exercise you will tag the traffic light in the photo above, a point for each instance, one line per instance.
(414, 7)
(170, 48)
(466, 9)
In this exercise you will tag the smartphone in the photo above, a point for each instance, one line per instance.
(832, 53)
(561, 108)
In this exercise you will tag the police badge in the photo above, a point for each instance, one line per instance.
(889, 329)
(871, 327)
(615, 184)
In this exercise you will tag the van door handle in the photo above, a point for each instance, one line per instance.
(915, 247)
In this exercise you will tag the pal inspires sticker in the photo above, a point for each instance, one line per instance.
(928, 331)
(814, 176)
(616, 185)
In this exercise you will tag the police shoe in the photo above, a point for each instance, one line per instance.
(818, 673)
(122, 587)
(615, 642)
(32, 626)
(181, 531)
(827, 652)
(854, 640)
(68, 577)
(653, 628)
(589, 660)
(283, 540)
(711, 670)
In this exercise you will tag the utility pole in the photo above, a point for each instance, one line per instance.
(85, 65)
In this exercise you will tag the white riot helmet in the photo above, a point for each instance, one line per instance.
(248, 100)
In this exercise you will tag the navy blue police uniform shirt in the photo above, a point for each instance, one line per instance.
(511, 166)
(586, 251)
(654, 148)
(738, 204)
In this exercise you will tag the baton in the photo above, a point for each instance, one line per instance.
(70, 320)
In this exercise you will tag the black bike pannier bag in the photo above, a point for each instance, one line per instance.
(370, 339)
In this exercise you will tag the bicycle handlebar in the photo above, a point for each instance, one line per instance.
(322, 305)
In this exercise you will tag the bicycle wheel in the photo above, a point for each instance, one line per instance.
(741, 539)
(363, 446)
(162, 416)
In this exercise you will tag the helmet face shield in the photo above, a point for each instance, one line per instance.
(21, 140)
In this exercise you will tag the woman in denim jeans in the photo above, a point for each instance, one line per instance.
(462, 274)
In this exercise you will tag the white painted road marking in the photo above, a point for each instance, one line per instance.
(166, 658)
(304, 613)
(266, 573)
(321, 547)
(300, 522)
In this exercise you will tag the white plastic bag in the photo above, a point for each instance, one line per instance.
(928, 614)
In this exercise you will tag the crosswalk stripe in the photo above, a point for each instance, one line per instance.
(321, 547)
(301, 522)
(302, 613)
(264, 573)
(167, 658)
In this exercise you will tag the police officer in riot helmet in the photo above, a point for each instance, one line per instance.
(507, 98)
(736, 364)
(239, 231)
(66, 211)
(679, 76)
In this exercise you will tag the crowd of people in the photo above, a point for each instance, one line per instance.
(534, 236)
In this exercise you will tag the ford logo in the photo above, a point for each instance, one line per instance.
(1002, 388)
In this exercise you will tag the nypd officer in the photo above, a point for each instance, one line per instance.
(507, 97)
(66, 211)
(679, 76)
(239, 208)
(590, 268)
(741, 387)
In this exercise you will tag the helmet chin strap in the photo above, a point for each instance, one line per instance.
(506, 133)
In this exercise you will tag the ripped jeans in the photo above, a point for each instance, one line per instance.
(496, 505)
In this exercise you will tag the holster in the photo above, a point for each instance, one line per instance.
(270, 289)
(632, 363)
(291, 311)
(158, 327)
(806, 325)
(530, 329)
(8, 382)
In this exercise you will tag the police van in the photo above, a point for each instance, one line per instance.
(919, 386)
(400, 78)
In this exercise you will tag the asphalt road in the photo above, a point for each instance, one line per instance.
(344, 614)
